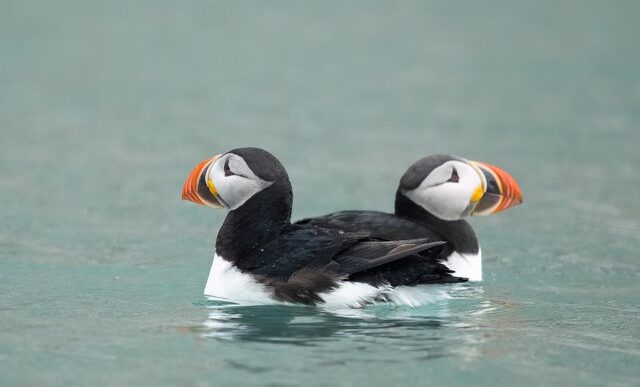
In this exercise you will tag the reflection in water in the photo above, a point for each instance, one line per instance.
(458, 326)
(303, 325)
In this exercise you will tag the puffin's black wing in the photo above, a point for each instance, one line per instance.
(367, 255)
(377, 224)
(306, 260)
(405, 262)
(343, 253)
(298, 247)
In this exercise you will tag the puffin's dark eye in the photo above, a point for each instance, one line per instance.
(227, 170)
(454, 177)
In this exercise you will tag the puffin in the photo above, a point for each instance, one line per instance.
(261, 257)
(433, 198)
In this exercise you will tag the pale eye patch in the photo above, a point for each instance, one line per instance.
(443, 174)
(237, 166)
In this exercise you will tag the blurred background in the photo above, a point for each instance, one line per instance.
(105, 108)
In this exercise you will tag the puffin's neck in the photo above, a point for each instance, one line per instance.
(457, 232)
(256, 222)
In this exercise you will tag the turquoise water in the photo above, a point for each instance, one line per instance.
(105, 108)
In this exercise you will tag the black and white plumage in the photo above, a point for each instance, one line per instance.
(261, 257)
(433, 197)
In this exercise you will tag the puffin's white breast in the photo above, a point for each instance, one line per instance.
(227, 283)
(466, 265)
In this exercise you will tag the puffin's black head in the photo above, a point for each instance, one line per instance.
(451, 187)
(228, 180)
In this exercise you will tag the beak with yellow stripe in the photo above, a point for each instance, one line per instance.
(498, 192)
(199, 187)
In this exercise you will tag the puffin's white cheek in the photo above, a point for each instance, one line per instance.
(447, 201)
(236, 190)
(233, 190)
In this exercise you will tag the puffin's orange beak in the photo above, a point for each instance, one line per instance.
(199, 189)
(501, 190)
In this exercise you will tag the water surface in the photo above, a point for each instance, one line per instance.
(105, 108)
